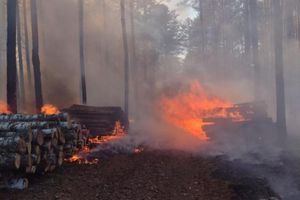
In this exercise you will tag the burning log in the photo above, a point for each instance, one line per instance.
(99, 120)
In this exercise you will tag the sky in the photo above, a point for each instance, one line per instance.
(183, 12)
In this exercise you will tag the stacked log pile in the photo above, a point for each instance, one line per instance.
(99, 121)
(37, 143)
(255, 124)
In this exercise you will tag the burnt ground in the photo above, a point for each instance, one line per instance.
(149, 175)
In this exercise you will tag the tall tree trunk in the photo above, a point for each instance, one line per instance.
(35, 57)
(247, 28)
(11, 55)
(20, 56)
(254, 42)
(202, 32)
(298, 21)
(81, 49)
(126, 56)
(133, 53)
(26, 39)
(105, 38)
(280, 90)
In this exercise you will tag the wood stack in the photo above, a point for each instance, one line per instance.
(38, 143)
(99, 120)
(255, 124)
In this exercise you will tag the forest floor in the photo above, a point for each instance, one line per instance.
(165, 175)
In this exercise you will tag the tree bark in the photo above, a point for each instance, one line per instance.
(202, 32)
(20, 56)
(11, 55)
(10, 161)
(12, 145)
(105, 38)
(280, 89)
(133, 53)
(247, 28)
(126, 57)
(81, 51)
(254, 42)
(36, 58)
(26, 39)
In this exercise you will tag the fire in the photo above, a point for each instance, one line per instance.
(4, 108)
(49, 109)
(81, 157)
(187, 110)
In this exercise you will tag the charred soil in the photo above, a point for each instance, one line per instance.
(147, 175)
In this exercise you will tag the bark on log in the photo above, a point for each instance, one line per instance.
(37, 137)
(12, 145)
(33, 118)
(10, 161)
(36, 159)
(27, 135)
(26, 161)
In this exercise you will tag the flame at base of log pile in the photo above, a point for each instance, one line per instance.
(82, 156)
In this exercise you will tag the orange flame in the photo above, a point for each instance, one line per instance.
(188, 109)
(81, 156)
(4, 108)
(49, 109)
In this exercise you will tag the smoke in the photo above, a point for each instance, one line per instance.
(223, 71)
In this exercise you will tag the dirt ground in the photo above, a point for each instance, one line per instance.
(160, 175)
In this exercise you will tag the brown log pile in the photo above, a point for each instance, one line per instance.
(256, 125)
(99, 121)
(32, 144)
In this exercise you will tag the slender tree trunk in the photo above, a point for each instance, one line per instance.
(133, 52)
(105, 38)
(26, 39)
(81, 49)
(145, 63)
(2, 38)
(20, 56)
(11, 55)
(126, 56)
(247, 28)
(202, 32)
(298, 19)
(254, 42)
(35, 57)
(280, 89)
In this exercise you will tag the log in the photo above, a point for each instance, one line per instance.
(27, 135)
(70, 135)
(37, 137)
(26, 161)
(23, 126)
(36, 150)
(13, 145)
(49, 133)
(10, 161)
(19, 183)
(31, 118)
(47, 146)
(31, 169)
(61, 137)
(36, 159)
